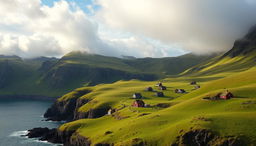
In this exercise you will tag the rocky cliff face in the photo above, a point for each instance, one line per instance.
(67, 138)
(204, 137)
(245, 45)
(66, 109)
(197, 137)
(61, 110)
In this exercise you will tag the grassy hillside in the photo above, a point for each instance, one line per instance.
(156, 125)
(179, 119)
(241, 57)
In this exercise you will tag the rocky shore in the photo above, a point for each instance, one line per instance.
(58, 137)
(67, 110)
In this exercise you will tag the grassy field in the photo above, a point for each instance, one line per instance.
(160, 126)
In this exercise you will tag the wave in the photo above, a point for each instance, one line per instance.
(58, 122)
(30, 140)
(19, 133)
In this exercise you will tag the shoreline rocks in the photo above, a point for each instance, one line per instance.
(58, 137)
(65, 110)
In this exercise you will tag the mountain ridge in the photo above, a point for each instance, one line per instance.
(240, 57)
(54, 77)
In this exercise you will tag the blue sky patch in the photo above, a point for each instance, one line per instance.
(83, 4)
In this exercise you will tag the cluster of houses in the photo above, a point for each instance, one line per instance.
(138, 102)
(138, 97)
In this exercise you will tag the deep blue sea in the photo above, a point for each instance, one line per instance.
(17, 116)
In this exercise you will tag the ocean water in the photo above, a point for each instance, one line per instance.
(17, 116)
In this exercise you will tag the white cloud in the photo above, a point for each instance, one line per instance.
(32, 29)
(29, 46)
(123, 27)
(200, 26)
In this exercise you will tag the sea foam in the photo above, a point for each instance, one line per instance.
(19, 133)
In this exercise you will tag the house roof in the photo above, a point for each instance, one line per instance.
(139, 101)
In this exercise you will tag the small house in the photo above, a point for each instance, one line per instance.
(149, 89)
(138, 103)
(197, 87)
(226, 95)
(159, 84)
(111, 111)
(180, 91)
(159, 94)
(137, 96)
(193, 83)
(162, 88)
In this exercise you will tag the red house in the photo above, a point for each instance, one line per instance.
(226, 95)
(138, 103)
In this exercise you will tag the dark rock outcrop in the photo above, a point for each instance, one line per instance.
(99, 112)
(67, 138)
(79, 103)
(92, 113)
(66, 109)
(204, 137)
(78, 140)
(138, 142)
(197, 137)
(245, 45)
(61, 110)
(37, 132)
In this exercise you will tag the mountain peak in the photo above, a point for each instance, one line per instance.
(251, 35)
(244, 46)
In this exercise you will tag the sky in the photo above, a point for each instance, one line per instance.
(140, 28)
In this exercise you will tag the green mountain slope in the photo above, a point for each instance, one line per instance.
(168, 65)
(161, 125)
(19, 76)
(76, 68)
(54, 77)
(191, 118)
(240, 57)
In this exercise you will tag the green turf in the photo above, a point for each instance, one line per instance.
(160, 126)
